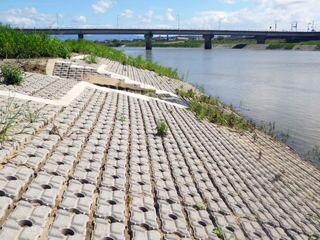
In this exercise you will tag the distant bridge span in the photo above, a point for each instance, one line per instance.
(260, 36)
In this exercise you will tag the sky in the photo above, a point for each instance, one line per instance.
(185, 14)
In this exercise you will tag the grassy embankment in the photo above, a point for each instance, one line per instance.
(17, 44)
(289, 46)
(272, 43)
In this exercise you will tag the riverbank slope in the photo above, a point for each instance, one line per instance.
(94, 166)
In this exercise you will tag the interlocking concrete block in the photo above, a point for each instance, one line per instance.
(138, 233)
(11, 186)
(87, 172)
(110, 205)
(172, 219)
(117, 182)
(297, 236)
(275, 233)
(37, 215)
(252, 229)
(141, 188)
(200, 223)
(78, 197)
(140, 169)
(44, 189)
(218, 205)
(143, 212)
(32, 159)
(66, 224)
(92, 156)
(25, 222)
(5, 204)
(173, 237)
(285, 221)
(237, 206)
(166, 193)
(12, 172)
(61, 168)
(228, 226)
(25, 230)
(105, 230)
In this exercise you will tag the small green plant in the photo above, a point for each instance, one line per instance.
(30, 115)
(314, 153)
(92, 58)
(11, 75)
(315, 221)
(198, 207)
(118, 85)
(277, 177)
(218, 232)
(9, 116)
(122, 118)
(162, 127)
(255, 137)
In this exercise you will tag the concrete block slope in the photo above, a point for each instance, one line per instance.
(97, 169)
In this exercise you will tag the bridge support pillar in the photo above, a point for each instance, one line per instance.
(208, 41)
(80, 36)
(148, 38)
(261, 39)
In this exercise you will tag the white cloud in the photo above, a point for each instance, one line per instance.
(147, 18)
(261, 17)
(127, 14)
(102, 6)
(167, 17)
(79, 20)
(228, 1)
(28, 18)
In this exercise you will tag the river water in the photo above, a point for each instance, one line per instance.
(264, 85)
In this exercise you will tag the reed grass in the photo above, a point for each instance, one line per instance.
(87, 47)
(17, 44)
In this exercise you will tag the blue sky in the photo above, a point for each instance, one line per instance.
(191, 14)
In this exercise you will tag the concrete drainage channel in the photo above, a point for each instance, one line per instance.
(96, 169)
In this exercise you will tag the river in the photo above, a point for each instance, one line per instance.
(264, 85)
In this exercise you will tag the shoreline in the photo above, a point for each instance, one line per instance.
(97, 168)
(296, 47)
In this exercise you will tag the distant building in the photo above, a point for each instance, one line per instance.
(182, 39)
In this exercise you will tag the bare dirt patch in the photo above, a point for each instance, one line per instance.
(28, 65)
(110, 82)
(34, 68)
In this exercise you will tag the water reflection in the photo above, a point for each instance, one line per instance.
(280, 86)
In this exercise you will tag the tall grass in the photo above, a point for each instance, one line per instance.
(87, 47)
(17, 44)
(207, 107)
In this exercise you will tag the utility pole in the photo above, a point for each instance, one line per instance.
(58, 20)
(294, 25)
(178, 22)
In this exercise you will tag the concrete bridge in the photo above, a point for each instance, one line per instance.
(260, 36)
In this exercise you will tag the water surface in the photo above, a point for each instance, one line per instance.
(269, 85)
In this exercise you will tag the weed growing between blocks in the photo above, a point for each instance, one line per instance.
(11, 115)
(162, 127)
(11, 75)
